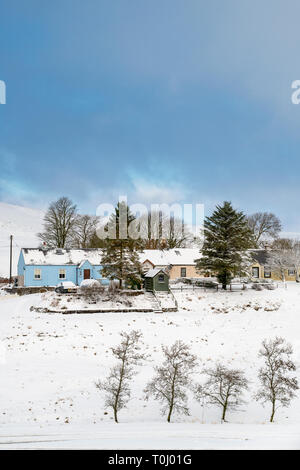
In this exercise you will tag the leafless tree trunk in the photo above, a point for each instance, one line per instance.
(84, 230)
(117, 384)
(59, 223)
(295, 255)
(165, 232)
(264, 224)
(223, 388)
(280, 259)
(277, 386)
(172, 379)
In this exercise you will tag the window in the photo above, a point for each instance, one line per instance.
(182, 272)
(255, 272)
(161, 278)
(37, 273)
(291, 272)
(62, 274)
(267, 273)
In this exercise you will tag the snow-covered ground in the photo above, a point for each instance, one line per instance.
(49, 363)
(21, 222)
(56, 302)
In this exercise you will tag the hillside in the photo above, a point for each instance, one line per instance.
(51, 361)
(21, 222)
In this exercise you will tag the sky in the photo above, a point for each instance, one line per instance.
(170, 101)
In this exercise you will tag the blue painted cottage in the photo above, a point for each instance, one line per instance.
(44, 267)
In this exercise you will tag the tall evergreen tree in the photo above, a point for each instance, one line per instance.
(120, 257)
(226, 238)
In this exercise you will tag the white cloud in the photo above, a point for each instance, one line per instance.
(145, 192)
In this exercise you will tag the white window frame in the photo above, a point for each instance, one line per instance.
(37, 274)
(62, 271)
(290, 273)
(181, 275)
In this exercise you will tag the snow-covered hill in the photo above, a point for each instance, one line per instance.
(21, 222)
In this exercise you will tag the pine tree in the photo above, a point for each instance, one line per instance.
(227, 237)
(120, 257)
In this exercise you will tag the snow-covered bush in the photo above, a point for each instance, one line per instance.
(91, 290)
(86, 283)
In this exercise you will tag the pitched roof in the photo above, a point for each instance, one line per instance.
(261, 256)
(154, 272)
(175, 256)
(57, 257)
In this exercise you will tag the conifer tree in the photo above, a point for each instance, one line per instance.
(227, 237)
(120, 257)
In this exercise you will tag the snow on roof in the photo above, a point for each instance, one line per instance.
(175, 256)
(153, 272)
(57, 257)
(261, 256)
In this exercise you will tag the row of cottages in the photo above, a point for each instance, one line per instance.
(41, 267)
(47, 267)
(180, 263)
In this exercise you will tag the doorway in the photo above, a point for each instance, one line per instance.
(87, 274)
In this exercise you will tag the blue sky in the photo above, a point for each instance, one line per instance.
(165, 101)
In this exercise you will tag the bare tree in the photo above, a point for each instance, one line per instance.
(85, 229)
(59, 223)
(287, 252)
(162, 231)
(172, 379)
(277, 385)
(295, 257)
(264, 225)
(224, 387)
(282, 244)
(117, 384)
(280, 258)
(179, 236)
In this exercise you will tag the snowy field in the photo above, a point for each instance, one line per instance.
(49, 363)
(23, 223)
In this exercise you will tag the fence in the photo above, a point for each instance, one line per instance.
(192, 287)
(234, 286)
